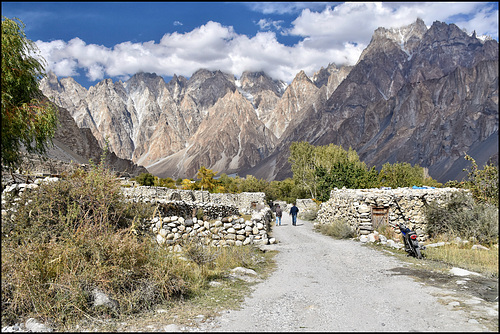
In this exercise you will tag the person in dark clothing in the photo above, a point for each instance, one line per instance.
(294, 211)
(279, 213)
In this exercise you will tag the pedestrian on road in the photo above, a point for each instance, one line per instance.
(279, 213)
(294, 211)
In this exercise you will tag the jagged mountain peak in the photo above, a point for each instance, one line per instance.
(204, 74)
(143, 78)
(392, 40)
(256, 82)
(53, 82)
(301, 76)
(417, 94)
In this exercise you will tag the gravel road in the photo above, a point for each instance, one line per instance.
(323, 284)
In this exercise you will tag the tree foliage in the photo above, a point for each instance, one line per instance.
(319, 169)
(401, 174)
(206, 176)
(28, 119)
(145, 179)
(483, 183)
(302, 164)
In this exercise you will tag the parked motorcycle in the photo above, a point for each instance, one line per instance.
(410, 240)
(409, 237)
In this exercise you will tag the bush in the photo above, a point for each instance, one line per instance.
(483, 183)
(145, 179)
(73, 236)
(461, 216)
(339, 229)
(59, 209)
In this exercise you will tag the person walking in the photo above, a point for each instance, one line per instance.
(279, 213)
(294, 211)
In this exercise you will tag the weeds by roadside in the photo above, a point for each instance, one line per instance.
(477, 260)
(339, 229)
(67, 239)
(461, 216)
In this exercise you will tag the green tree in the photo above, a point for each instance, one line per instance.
(252, 184)
(146, 179)
(483, 183)
(28, 119)
(206, 176)
(302, 160)
(401, 174)
(165, 182)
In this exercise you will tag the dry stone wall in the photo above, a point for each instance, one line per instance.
(368, 209)
(246, 202)
(214, 219)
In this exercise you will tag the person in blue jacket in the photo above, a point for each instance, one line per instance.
(294, 211)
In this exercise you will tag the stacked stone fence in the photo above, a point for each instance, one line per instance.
(246, 202)
(215, 219)
(366, 210)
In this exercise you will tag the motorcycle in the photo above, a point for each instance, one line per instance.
(411, 243)
(409, 237)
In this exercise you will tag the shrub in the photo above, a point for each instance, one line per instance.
(76, 235)
(461, 216)
(145, 179)
(338, 229)
(483, 183)
(57, 210)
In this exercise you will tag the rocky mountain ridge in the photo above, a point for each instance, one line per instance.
(419, 95)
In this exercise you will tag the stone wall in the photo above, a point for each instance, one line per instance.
(215, 219)
(246, 202)
(227, 231)
(368, 209)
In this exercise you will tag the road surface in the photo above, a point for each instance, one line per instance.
(323, 284)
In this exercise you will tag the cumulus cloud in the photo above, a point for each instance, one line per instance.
(330, 35)
(267, 24)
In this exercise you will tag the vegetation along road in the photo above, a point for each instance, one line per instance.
(324, 284)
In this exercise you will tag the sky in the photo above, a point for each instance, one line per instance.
(92, 41)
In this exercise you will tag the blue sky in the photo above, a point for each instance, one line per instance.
(92, 41)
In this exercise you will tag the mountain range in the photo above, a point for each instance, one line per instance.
(420, 95)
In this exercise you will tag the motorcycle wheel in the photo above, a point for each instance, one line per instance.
(417, 252)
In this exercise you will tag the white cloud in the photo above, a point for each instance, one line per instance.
(267, 24)
(333, 35)
(284, 7)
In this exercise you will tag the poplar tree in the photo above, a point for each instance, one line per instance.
(28, 119)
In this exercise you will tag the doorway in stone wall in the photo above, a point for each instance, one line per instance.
(380, 218)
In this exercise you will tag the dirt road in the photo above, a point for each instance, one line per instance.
(323, 284)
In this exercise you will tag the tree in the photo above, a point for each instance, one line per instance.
(186, 184)
(482, 183)
(207, 181)
(28, 119)
(302, 164)
(401, 174)
(146, 179)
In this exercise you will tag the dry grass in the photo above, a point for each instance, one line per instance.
(338, 229)
(69, 238)
(477, 260)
